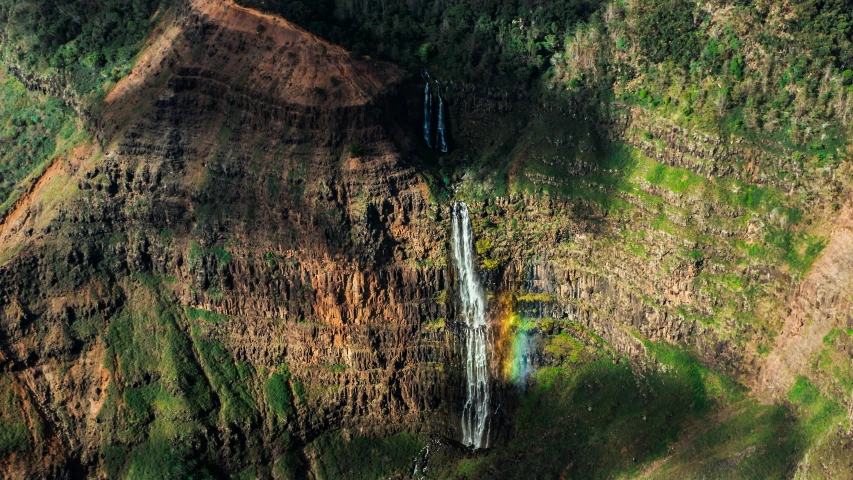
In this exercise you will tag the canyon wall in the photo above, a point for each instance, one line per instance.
(248, 244)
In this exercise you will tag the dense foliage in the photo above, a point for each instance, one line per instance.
(667, 30)
(749, 68)
(780, 70)
(484, 39)
(29, 131)
(93, 41)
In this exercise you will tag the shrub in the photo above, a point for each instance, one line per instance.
(356, 149)
(666, 30)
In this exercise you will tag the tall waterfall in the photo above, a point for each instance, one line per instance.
(475, 413)
(442, 140)
(427, 115)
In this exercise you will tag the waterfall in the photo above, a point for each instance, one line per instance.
(442, 140)
(427, 115)
(475, 413)
(441, 137)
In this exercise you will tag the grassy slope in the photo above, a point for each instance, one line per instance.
(33, 131)
(173, 387)
(672, 418)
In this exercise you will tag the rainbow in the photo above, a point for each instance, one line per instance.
(512, 344)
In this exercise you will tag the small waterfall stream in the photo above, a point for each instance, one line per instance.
(442, 139)
(427, 115)
(441, 128)
(475, 413)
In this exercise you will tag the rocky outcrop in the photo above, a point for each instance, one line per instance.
(822, 302)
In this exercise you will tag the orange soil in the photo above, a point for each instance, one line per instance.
(822, 302)
(275, 57)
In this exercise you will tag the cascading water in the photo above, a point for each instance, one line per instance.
(427, 115)
(475, 413)
(442, 140)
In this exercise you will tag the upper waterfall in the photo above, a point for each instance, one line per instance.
(441, 127)
(442, 138)
(475, 413)
(427, 115)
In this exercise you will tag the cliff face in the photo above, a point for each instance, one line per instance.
(247, 256)
(223, 165)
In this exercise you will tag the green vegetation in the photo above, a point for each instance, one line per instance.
(745, 440)
(593, 417)
(725, 70)
(208, 316)
(832, 364)
(437, 324)
(197, 254)
(93, 43)
(336, 368)
(15, 435)
(152, 416)
(483, 245)
(566, 349)
(700, 64)
(278, 393)
(818, 413)
(31, 130)
(356, 149)
(362, 457)
(172, 388)
(535, 297)
(473, 39)
(797, 250)
(667, 30)
(229, 379)
(441, 297)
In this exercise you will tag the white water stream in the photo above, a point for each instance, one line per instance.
(427, 115)
(442, 136)
(475, 413)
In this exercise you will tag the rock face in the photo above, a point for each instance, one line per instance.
(224, 165)
(254, 188)
(821, 304)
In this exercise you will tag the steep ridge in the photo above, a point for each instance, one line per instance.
(263, 63)
(229, 166)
